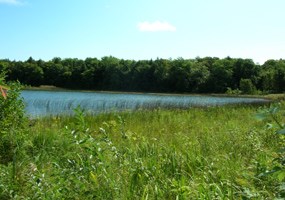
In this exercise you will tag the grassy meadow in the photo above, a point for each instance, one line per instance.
(198, 153)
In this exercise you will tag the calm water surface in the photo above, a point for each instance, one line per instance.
(39, 103)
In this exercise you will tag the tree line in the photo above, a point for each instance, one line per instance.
(199, 75)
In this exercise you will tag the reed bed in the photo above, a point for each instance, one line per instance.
(197, 153)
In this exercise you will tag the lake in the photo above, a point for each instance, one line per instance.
(41, 103)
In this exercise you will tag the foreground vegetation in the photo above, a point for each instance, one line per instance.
(201, 153)
(198, 153)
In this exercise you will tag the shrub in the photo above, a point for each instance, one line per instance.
(233, 91)
(276, 115)
(247, 87)
(12, 126)
(12, 120)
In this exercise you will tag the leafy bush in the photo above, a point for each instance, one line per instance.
(247, 87)
(275, 114)
(12, 126)
(12, 120)
(233, 91)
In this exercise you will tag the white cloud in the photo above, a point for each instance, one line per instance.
(155, 26)
(11, 2)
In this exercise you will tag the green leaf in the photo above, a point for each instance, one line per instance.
(273, 110)
(282, 131)
(281, 176)
(261, 116)
(282, 150)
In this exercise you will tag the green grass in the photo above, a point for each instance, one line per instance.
(199, 153)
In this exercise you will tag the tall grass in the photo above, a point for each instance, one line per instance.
(200, 153)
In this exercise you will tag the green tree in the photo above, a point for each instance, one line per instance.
(272, 76)
(199, 76)
(246, 86)
(279, 79)
(26, 72)
(245, 69)
(221, 73)
(179, 76)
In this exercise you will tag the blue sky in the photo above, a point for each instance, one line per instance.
(142, 29)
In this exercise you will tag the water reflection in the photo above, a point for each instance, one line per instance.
(40, 103)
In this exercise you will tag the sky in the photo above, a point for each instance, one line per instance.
(142, 29)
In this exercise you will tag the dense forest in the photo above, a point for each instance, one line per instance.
(199, 75)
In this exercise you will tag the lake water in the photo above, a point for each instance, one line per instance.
(39, 103)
